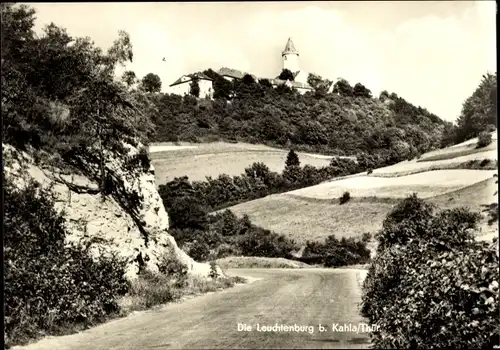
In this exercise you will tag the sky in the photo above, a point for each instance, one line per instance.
(431, 53)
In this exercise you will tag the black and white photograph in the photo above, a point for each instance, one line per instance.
(250, 175)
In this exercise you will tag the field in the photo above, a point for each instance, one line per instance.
(212, 159)
(309, 219)
(314, 219)
(314, 213)
(426, 184)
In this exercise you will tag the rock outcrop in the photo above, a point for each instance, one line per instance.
(137, 233)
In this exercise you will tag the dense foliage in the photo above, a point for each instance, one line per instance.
(49, 284)
(62, 104)
(334, 252)
(431, 285)
(207, 237)
(151, 83)
(341, 123)
(484, 139)
(479, 111)
(59, 94)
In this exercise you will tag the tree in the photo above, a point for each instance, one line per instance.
(187, 213)
(248, 79)
(361, 91)
(384, 95)
(479, 111)
(59, 95)
(247, 88)
(223, 89)
(151, 83)
(318, 83)
(286, 74)
(194, 87)
(265, 83)
(292, 159)
(343, 88)
(129, 78)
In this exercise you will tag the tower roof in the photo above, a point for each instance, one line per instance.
(289, 48)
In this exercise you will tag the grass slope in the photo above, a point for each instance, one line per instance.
(305, 219)
(425, 184)
(233, 262)
(212, 159)
(313, 213)
(308, 219)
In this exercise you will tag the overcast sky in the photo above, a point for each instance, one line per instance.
(431, 53)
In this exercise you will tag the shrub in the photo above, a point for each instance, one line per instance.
(151, 289)
(413, 218)
(187, 213)
(435, 287)
(485, 162)
(49, 285)
(484, 139)
(346, 197)
(334, 253)
(260, 242)
(170, 266)
(214, 274)
(366, 237)
(199, 250)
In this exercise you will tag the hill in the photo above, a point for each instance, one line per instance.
(340, 123)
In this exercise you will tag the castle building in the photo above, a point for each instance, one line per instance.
(182, 86)
(290, 57)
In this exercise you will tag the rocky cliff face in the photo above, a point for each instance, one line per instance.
(137, 233)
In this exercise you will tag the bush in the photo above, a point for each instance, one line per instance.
(170, 266)
(346, 197)
(485, 162)
(436, 286)
(264, 243)
(49, 285)
(484, 139)
(199, 250)
(151, 289)
(214, 274)
(334, 253)
(413, 218)
(366, 237)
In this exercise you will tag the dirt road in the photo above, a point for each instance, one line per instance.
(302, 297)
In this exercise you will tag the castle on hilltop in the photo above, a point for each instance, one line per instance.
(290, 57)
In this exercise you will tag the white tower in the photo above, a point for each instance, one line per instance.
(290, 57)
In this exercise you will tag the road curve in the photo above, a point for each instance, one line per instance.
(306, 297)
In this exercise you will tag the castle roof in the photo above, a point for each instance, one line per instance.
(188, 77)
(290, 48)
(232, 73)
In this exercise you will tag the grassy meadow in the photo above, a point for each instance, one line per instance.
(212, 159)
(314, 213)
